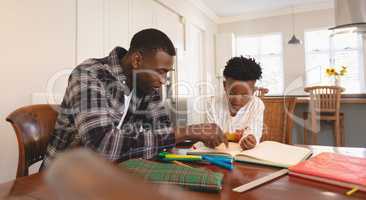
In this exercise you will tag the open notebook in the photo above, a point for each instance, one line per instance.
(265, 153)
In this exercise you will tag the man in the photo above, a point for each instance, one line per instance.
(239, 111)
(113, 105)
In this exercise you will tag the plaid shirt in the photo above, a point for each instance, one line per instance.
(93, 106)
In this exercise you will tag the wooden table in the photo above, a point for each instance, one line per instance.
(287, 187)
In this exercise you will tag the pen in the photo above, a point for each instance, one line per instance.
(162, 154)
(174, 156)
(171, 157)
(221, 158)
(218, 162)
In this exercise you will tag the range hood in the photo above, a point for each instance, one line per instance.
(350, 15)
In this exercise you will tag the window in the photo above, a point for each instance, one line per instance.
(323, 50)
(267, 50)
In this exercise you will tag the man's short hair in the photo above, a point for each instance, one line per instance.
(151, 40)
(243, 69)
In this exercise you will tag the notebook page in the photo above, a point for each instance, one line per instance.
(276, 152)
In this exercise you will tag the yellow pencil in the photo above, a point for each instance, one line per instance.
(181, 164)
(349, 193)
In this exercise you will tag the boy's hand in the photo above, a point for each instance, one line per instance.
(248, 142)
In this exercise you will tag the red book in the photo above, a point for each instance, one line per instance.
(337, 169)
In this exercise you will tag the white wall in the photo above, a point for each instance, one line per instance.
(37, 39)
(42, 38)
(294, 58)
(194, 17)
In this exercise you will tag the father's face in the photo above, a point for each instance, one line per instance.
(151, 72)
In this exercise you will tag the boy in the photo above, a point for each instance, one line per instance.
(239, 111)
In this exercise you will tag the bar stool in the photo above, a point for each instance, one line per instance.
(324, 105)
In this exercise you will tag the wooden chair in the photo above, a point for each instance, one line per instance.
(33, 125)
(324, 105)
(260, 92)
(278, 119)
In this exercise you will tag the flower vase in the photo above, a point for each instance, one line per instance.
(337, 81)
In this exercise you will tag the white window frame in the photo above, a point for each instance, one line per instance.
(280, 55)
(331, 51)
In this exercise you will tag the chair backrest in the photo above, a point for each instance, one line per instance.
(278, 119)
(324, 98)
(260, 92)
(33, 125)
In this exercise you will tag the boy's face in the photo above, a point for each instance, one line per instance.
(238, 93)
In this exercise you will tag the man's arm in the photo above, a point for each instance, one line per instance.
(210, 134)
(98, 128)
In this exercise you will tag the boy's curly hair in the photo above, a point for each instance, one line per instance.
(243, 69)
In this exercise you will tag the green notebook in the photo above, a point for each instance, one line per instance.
(167, 173)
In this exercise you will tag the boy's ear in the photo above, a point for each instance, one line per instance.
(136, 60)
(224, 83)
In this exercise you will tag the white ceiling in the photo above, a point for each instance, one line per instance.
(229, 8)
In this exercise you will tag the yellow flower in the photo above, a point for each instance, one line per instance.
(330, 71)
(343, 72)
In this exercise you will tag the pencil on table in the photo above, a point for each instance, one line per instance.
(181, 164)
(349, 193)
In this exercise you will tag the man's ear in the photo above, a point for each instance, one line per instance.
(136, 60)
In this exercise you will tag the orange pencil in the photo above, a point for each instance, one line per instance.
(180, 164)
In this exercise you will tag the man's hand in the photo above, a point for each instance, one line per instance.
(210, 134)
(248, 142)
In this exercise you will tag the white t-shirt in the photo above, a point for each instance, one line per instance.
(248, 118)
(126, 106)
